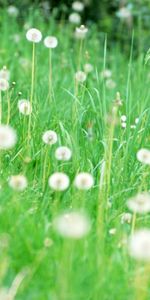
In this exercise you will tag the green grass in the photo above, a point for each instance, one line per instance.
(94, 267)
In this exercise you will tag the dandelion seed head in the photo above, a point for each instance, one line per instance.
(110, 84)
(140, 203)
(139, 245)
(78, 6)
(81, 32)
(75, 18)
(59, 181)
(123, 124)
(18, 182)
(50, 42)
(49, 137)
(84, 181)
(136, 120)
(124, 13)
(24, 107)
(143, 155)
(34, 35)
(4, 74)
(74, 225)
(112, 231)
(106, 73)
(63, 153)
(8, 137)
(13, 11)
(126, 218)
(80, 76)
(4, 85)
(123, 118)
(88, 68)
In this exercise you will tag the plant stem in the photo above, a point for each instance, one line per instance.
(32, 90)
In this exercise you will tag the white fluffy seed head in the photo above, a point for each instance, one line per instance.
(50, 42)
(18, 182)
(123, 118)
(8, 137)
(24, 107)
(59, 181)
(88, 68)
(136, 120)
(112, 231)
(12, 10)
(78, 6)
(4, 74)
(75, 18)
(106, 73)
(110, 84)
(126, 218)
(140, 203)
(124, 13)
(80, 76)
(4, 85)
(81, 32)
(123, 124)
(84, 181)
(74, 225)
(139, 245)
(63, 153)
(49, 137)
(143, 155)
(34, 35)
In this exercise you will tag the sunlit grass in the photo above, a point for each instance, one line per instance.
(87, 119)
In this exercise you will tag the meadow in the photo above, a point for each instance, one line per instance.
(71, 218)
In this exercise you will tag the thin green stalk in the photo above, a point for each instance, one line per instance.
(32, 90)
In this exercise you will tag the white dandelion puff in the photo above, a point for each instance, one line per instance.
(34, 35)
(123, 118)
(49, 137)
(78, 6)
(59, 181)
(8, 137)
(18, 182)
(63, 153)
(139, 245)
(124, 13)
(126, 218)
(80, 76)
(88, 68)
(73, 225)
(84, 181)
(4, 85)
(112, 231)
(143, 155)
(106, 73)
(110, 84)
(81, 32)
(75, 18)
(50, 42)
(24, 107)
(4, 74)
(136, 120)
(13, 11)
(140, 203)
(123, 125)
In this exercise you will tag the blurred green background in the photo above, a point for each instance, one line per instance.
(119, 19)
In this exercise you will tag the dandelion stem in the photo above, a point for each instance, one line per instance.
(133, 223)
(0, 107)
(8, 105)
(50, 75)
(44, 170)
(32, 90)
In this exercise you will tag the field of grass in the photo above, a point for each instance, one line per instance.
(36, 262)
